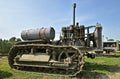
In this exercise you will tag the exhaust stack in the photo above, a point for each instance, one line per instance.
(74, 6)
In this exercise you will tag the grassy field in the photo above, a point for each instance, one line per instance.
(104, 64)
(99, 65)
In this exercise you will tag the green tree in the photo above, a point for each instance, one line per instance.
(5, 46)
(110, 40)
(18, 39)
(13, 40)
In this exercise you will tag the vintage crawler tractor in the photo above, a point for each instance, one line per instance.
(40, 53)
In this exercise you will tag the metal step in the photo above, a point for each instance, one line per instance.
(46, 66)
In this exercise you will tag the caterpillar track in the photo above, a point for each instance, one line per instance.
(68, 61)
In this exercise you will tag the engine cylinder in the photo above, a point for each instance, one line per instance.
(37, 34)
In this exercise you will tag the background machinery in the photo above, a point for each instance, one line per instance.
(110, 47)
(39, 52)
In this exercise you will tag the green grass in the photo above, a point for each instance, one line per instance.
(103, 64)
(99, 65)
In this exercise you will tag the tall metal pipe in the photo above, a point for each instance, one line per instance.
(74, 6)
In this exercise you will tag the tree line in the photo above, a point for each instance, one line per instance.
(5, 45)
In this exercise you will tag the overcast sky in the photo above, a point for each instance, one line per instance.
(18, 15)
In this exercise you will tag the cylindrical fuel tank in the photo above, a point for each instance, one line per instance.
(37, 34)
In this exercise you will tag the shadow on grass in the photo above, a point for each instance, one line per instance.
(88, 69)
(113, 55)
(101, 67)
(109, 56)
(4, 74)
(91, 75)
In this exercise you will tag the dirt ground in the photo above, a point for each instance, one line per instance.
(114, 76)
